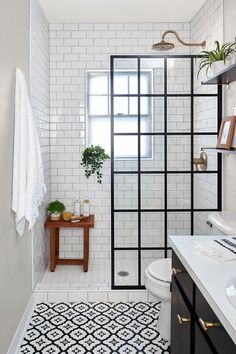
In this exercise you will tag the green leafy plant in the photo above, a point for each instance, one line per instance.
(56, 207)
(221, 52)
(92, 160)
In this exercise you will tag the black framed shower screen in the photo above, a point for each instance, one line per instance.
(139, 212)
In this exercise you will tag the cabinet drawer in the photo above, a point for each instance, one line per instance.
(184, 279)
(181, 324)
(216, 335)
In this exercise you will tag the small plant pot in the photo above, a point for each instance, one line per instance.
(67, 216)
(218, 66)
(55, 216)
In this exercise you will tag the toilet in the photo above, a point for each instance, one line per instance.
(157, 281)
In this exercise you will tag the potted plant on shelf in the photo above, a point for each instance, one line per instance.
(218, 58)
(55, 209)
(93, 158)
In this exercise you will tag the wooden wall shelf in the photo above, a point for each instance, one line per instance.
(224, 77)
(219, 151)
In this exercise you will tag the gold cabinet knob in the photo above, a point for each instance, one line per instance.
(206, 325)
(182, 320)
(176, 271)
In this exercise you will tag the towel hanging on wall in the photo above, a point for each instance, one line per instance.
(28, 186)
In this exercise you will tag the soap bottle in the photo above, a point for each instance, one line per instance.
(77, 207)
(86, 207)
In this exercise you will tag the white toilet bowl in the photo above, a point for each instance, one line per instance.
(157, 281)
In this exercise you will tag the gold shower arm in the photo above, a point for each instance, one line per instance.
(203, 44)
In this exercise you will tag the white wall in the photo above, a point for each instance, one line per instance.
(15, 252)
(39, 76)
(229, 163)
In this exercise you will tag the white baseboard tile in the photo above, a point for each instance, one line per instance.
(97, 296)
(40, 296)
(57, 296)
(77, 296)
(93, 296)
(117, 296)
(138, 295)
(21, 329)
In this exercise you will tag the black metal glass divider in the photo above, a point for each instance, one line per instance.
(139, 180)
(165, 155)
(192, 148)
(166, 172)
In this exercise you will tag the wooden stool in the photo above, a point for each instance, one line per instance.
(54, 241)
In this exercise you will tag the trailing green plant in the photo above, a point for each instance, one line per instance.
(221, 52)
(92, 160)
(56, 207)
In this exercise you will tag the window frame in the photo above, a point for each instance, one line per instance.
(148, 116)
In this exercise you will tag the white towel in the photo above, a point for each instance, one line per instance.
(28, 180)
(221, 250)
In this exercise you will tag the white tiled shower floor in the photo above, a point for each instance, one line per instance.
(74, 278)
(98, 276)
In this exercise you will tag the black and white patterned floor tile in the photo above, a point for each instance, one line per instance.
(99, 328)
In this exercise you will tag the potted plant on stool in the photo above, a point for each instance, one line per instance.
(55, 209)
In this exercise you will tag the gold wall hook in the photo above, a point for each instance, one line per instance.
(201, 162)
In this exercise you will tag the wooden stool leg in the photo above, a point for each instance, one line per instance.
(52, 249)
(57, 242)
(86, 248)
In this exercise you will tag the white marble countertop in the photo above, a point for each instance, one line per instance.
(209, 276)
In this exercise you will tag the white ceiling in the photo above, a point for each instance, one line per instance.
(120, 10)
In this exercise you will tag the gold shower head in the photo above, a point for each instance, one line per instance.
(163, 45)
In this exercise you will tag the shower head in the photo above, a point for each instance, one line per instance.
(163, 45)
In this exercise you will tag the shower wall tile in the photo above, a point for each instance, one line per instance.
(75, 48)
(40, 103)
(207, 25)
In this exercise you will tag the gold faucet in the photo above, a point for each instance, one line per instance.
(201, 162)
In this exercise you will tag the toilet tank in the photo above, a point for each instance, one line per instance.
(222, 223)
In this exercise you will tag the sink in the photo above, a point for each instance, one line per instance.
(230, 291)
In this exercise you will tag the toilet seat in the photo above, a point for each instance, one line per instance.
(160, 270)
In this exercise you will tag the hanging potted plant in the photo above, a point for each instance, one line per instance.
(218, 58)
(93, 158)
(55, 209)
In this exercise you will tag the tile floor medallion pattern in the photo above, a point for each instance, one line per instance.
(99, 328)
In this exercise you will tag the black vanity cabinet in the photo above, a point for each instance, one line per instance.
(195, 329)
(180, 324)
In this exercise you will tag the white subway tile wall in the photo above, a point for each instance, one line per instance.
(40, 103)
(74, 49)
(206, 25)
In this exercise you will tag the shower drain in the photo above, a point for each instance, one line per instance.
(123, 273)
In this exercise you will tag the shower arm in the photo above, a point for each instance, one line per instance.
(203, 44)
